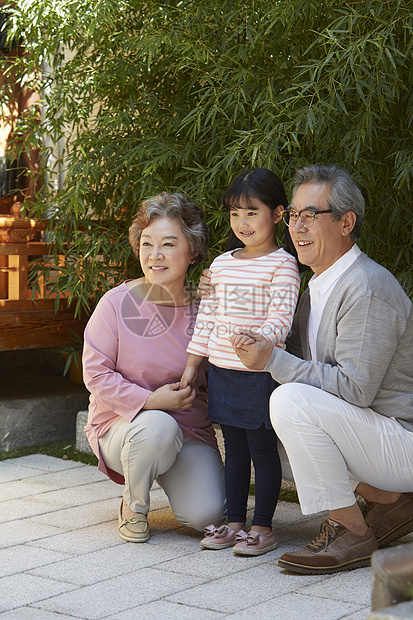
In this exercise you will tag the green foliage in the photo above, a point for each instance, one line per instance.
(182, 95)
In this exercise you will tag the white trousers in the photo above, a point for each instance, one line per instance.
(152, 447)
(333, 445)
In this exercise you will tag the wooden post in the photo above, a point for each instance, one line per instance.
(4, 279)
(17, 277)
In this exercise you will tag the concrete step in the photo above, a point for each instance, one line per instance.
(37, 407)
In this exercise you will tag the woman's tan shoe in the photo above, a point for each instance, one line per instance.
(134, 528)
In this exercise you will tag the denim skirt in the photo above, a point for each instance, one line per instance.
(239, 397)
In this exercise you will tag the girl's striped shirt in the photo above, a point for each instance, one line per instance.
(258, 293)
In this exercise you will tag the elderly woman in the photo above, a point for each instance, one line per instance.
(141, 425)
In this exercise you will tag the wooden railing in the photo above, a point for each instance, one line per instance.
(27, 320)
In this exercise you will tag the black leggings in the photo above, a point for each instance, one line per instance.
(260, 445)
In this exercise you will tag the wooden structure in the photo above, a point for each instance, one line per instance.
(27, 321)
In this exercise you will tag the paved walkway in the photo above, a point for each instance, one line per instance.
(61, 558)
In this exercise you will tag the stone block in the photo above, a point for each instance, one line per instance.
(28, 420)
(82, 444)
(392, 576)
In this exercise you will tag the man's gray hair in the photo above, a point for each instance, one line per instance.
(345, 194)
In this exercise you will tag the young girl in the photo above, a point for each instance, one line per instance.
(256, 286)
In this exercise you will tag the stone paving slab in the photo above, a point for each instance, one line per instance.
(83, 541)
(43, 463)
(165, 609)
(296, 606)
(109, 563)
(13, 558)
(43, 482)
(18, 532)
(22, 589)
(31, 613)
(401, 611)
(242, 589)
(61, 558)
(350, 589)
(77, 517)
(119, 593)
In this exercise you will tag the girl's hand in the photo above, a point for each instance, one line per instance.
(240, 340)
(170, 397)
(256, 354)
(205, 288)
(189, 376)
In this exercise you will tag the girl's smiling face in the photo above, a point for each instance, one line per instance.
(254, 224)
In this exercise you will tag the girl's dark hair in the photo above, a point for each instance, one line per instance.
(265, 186)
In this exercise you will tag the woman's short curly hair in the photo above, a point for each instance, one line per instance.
(179, 207)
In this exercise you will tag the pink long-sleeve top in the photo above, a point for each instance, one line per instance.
(257, 293)
(131, 348)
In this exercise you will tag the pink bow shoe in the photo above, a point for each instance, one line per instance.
(254, 543)
(218, 537)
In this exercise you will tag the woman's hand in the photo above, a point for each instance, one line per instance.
(205, 288)
(170, 397)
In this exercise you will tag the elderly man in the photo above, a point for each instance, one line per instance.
(344, 409)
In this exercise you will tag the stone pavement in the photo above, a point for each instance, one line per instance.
(61, 558)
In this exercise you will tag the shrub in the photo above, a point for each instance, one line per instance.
(181, 95)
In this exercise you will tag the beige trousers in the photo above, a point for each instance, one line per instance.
(333, 445)
(152, 447)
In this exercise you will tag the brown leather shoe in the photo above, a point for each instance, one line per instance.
(390, 521)
(335, 549)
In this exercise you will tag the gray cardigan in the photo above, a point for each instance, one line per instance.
(365, 342)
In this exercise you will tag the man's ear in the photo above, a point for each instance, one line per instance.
(348, 221)
(278, 213)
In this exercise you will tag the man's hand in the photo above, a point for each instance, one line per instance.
(170, 397)
(205, 288)
(254, 350)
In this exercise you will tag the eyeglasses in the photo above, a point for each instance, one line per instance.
(306, 216)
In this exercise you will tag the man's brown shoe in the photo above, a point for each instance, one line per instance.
(390, 521)
(335, 549)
